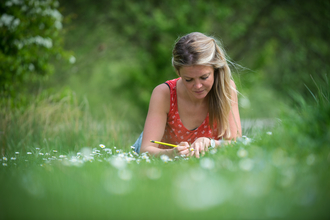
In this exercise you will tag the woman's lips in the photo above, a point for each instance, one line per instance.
(199, 91)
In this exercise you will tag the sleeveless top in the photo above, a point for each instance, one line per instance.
(175, 131)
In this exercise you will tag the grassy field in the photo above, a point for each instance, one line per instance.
(66, 140)
(61, 163)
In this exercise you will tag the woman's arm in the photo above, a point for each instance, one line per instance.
(155, 123)
(234, 118)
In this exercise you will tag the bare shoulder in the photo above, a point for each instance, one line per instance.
(160, 97)
(161, 92)
(232, 83)
(234, 91)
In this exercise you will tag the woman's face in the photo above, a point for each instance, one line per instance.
(198, 80)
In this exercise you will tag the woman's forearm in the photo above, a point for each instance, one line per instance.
(155, 151)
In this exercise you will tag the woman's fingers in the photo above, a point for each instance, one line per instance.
(183, 148)
(185, 144)
(197, 149)
(202, 148)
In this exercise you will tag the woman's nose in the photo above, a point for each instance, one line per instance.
(198, 85)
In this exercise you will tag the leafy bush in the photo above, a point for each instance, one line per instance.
(30, 33)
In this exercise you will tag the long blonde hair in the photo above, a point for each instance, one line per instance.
(198, 49)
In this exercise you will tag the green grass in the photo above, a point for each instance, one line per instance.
(59, 121)
(281, 173)
(239, 181)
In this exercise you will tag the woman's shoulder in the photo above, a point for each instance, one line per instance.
(161, 90)
(160, 97)
(232, 84)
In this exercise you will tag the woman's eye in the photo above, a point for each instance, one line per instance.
(204, 78)
(188, 80)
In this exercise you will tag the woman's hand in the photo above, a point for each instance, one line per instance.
(200, 146)
(182, 149)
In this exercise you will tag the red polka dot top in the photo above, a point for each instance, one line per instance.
(175, 131)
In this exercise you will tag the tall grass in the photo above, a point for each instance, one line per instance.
(60, 122)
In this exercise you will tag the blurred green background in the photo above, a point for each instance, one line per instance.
(123, 49)
(120, 50)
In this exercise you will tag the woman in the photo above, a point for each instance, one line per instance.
(197, 110)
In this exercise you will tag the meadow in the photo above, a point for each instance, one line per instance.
(66, 137)
(63, 163)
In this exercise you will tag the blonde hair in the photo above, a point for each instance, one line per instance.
(199, 49)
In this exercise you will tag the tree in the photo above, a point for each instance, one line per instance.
(30, 37)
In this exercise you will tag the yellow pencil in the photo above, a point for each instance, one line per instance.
(162, 143)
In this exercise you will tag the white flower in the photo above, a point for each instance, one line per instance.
(13, 158)
(4, 164)
(4, 158)
(16, 153)
(164, 158)
(59, 25)
(28, 152)
(102, 146)
(269, 133)
(55, 151)
(144, 156)
(245, 140)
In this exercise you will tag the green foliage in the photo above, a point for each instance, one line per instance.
(30, 33)
(310, 121)
(293, 43)
(282, 42)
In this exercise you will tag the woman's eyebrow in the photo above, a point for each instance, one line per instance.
(204, 75)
